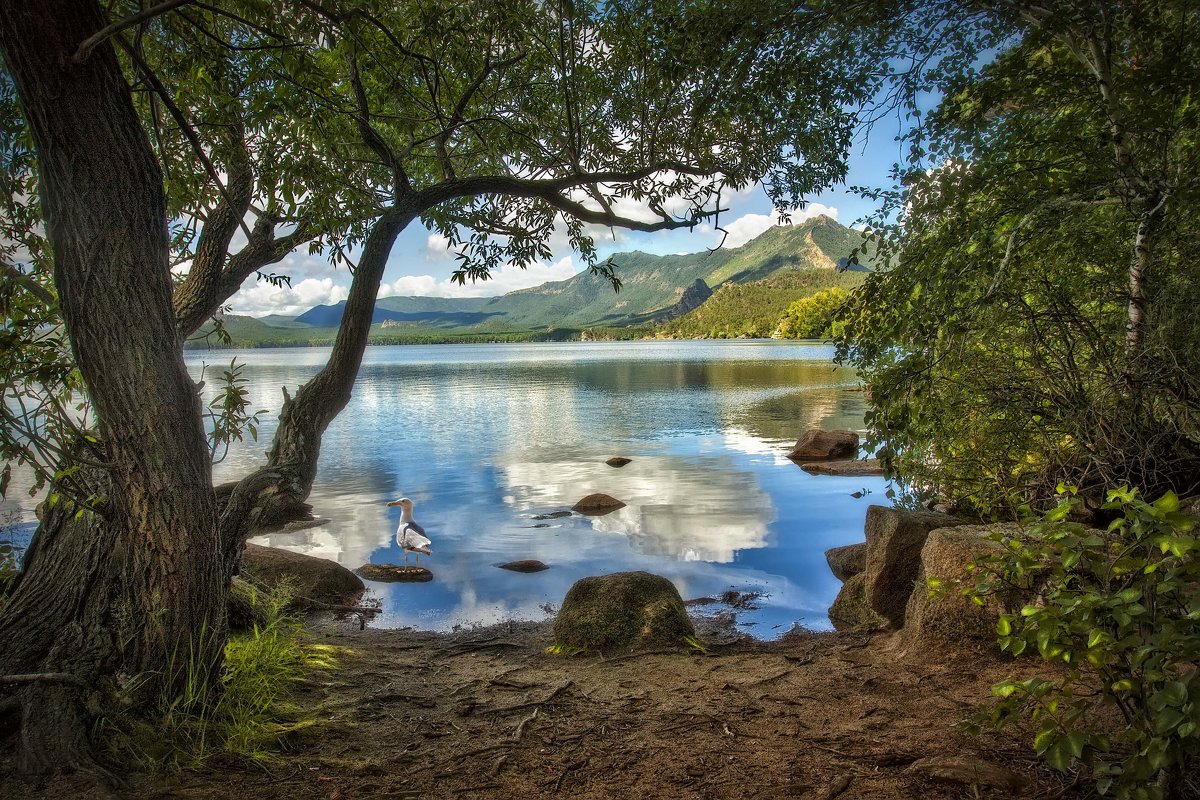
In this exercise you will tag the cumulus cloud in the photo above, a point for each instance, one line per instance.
(437, 248)
(748, 226)
(507, 279)
(262, 298)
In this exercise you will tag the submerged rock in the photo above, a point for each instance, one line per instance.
(553, 515)
(622, 611)
(597, 503)
(618, 461)
(394, 573)
(311, 578)
(816, 445)
(849, 468)
(524, 565)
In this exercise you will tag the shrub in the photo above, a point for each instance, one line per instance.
(1119, 609)
(812, 317)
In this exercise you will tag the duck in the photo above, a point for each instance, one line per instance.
(409, 535)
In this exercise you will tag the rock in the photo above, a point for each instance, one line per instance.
(949, 619)
(305, 524)
(618, 461)
(597, 504)
(691, 298)
(622, 611)
(554, 515)
(524, 565)
(394, 573)
(851, 467)
(819, 445)
(848, 561)
(311, 578)
(851, 611)
(894, 541)
(970, 772)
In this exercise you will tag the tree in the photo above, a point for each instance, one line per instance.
(1039, 324)
(491, 122)
(812, 317)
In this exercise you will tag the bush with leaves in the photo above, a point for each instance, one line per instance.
(1119, 610)
(813, 317)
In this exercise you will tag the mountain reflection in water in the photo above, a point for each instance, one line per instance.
(484, 438)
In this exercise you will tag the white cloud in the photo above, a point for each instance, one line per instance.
(748, 226)
(262, 298)
(437, 248)
(507, 279)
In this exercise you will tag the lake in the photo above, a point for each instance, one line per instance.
(483, 438)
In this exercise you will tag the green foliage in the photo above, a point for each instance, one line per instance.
(813, 317)
(754, 309)
(1119, 611)
(1000, 349)
(227, 414)
(246, 712)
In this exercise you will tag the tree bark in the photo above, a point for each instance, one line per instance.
(138, 590)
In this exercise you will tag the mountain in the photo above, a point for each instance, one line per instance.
(651, 285)
(654, 289)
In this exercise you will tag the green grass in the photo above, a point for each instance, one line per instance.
(247, 713)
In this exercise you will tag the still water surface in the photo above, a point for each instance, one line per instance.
(485, 437)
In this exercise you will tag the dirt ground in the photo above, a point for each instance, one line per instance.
(490, 714)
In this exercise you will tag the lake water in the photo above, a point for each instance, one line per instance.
(484, 438)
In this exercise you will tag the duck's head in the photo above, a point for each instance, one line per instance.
(403, 502)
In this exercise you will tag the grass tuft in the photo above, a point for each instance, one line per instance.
(246, 713)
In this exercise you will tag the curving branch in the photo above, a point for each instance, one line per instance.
(196, 298)
(28, 284)
(89, 44)
(550, 190)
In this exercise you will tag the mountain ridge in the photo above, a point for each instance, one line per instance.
(651, 285)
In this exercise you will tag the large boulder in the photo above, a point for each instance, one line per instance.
(622, 611)
(848, 561)
(817, 445)
(851, 611)
(311, 578)
(946, 618)
(894, 541)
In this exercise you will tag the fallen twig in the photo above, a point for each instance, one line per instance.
(766, 680)
(520, 731)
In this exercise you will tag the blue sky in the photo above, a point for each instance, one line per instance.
(421, 263)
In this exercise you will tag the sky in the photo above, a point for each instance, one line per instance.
(421, 262)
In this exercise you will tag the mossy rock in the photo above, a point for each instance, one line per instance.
(394, 573)
(622, 611)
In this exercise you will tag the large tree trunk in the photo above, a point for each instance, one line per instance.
(139, 590)
(303, 419)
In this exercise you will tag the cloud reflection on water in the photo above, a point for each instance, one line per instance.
(485, 438)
